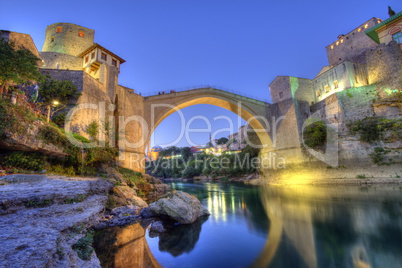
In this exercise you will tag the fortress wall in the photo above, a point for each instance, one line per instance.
(304, 91)
(384, 67)
(55, 60)
(281, 84)
(76, 77)
(67, 40)
(354, 43)
(132, 129)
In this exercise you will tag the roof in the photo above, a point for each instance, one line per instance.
(372, 32)
(96, 45)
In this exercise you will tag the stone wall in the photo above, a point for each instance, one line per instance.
(384, 67)
(338, 78)
(68, 40)
(76, 77)
(55, 60)
(133, 130)
(351, 44)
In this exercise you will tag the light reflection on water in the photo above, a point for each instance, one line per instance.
(274, 226)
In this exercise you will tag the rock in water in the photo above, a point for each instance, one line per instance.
(181, 207)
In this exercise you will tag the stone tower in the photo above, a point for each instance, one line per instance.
(67, 38)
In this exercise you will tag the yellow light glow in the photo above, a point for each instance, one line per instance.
(341, 40)
(337, 42)
(359, 30)
(55, 102)
(366, 26)
(332, 47)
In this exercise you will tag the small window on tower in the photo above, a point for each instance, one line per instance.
(93, 55)
(318, 93)
(86, 59)
(280, 95)
(80, 33)
(114, 62)
(52, 39)
(104, 56)
(59, 29)
(326, 89)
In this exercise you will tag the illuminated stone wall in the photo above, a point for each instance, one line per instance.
(338, 78)
(287, 87)
(349, 46)
(384, 64)
(67, 38)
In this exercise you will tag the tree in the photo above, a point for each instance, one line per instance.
(56, 93)
(17, 66)
(185, 153)
(222, 140)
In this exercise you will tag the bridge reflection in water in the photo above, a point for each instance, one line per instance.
(124, 247)
(272, 226)
(332, 227)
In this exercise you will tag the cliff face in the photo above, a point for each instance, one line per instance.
(29, 140)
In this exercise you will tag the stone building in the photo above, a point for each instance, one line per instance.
(365, 65)
(70, 53)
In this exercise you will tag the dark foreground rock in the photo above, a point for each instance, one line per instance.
(43, 217)
(180, 207)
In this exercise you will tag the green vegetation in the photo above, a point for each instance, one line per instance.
(23, 160)
(373, 128)
(13, 117)
(93, 130)
(131, 176)
(17, 65)
(315, 135)
(361, 176)
(225, 165)
(38, 203)
(379, 156)
(83, 247)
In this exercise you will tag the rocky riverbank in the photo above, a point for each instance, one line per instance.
(45, 220)
(48, 221)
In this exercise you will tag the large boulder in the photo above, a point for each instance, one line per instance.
(181, 207)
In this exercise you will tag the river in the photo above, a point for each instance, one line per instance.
(274, 226)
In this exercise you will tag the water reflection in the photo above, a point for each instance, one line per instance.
(124, 247)
(332, 227)
(182, 238)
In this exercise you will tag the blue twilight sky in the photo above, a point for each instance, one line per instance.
(235, 44)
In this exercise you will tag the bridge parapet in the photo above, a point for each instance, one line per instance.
(205, 89)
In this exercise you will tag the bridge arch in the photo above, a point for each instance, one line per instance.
(159, 107)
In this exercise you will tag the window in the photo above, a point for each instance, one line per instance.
(52, 39)
(337, 42)
(359, 30)
(114, 62)
(326, 89)
(318, 93)
(86, 59)
(341, 41)
(59, 29)
(104, 56)
(280, 95)
(93, 55)
(332, 47)
(366, 26)
(336, 84)
(397, 37)
(81, 34)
